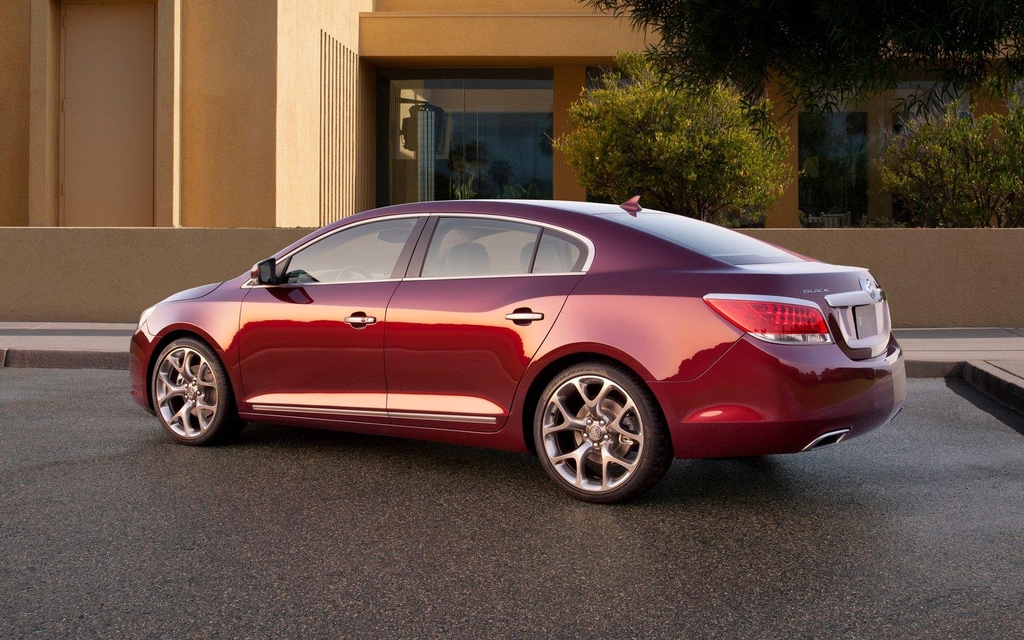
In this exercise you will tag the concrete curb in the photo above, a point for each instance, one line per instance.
(995, 383)
(934, 368)
(48, 359)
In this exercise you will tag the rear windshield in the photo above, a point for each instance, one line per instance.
(711, 240)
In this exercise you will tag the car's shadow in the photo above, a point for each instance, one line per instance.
(763, 479)
(997, 410)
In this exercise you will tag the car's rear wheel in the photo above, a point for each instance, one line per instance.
(599, 433)
(192, 394)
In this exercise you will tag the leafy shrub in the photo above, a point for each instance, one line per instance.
(945, 169)
(701, 154)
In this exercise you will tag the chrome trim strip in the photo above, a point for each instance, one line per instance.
(445, 417)
(491, 277)
(372, 413)
(842, 433)
(365, 413)
(850, 299)
(759, 298)
(353, 225)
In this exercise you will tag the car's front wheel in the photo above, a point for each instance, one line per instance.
(599, 433)
(192, 394)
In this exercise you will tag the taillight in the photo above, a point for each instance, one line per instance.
(774, 320)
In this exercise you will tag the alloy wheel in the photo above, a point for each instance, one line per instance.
(593, 433)
(186, 392)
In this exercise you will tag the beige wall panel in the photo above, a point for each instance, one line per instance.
(107, 115)
(15, 27)
(228, 112)
(73, 280)
(483, 39)
(934, 277)
(309, 30)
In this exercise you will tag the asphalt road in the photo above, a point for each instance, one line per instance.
(107, 529)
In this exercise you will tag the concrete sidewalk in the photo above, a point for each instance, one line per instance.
(990, 359)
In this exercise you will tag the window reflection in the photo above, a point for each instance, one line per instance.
(833, 167)
(468, 134)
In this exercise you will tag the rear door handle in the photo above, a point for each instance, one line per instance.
(360, 319)
(524, 316)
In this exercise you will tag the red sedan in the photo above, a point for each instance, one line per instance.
(608, 340)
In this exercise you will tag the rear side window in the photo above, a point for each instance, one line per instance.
(558, 253)
(711, 240)
(470, 247)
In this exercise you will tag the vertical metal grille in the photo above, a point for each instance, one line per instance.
(338, 95)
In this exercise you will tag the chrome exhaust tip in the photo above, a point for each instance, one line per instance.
(827, 439)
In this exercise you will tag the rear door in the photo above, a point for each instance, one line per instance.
(483, 293)
(314, 345)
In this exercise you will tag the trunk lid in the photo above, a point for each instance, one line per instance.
(854, 306)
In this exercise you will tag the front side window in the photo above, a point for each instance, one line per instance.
(364, 252)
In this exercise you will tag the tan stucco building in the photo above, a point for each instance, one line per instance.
(279, 113)
(264, 113)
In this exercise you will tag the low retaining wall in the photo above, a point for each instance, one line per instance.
(934, 277)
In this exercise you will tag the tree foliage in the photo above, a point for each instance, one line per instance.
(945, 169)
(699, 154)
(829, 52)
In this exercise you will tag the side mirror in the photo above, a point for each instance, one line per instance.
(265, 272)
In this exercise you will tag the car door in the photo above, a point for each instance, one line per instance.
(481, 296)
(314, 344)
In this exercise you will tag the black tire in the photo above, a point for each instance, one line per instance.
(189, 371)
(635, 441)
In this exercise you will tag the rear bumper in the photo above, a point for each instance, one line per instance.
(762, 399)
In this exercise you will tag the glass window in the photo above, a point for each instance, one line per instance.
(833, 167)
(458, 134)
(479, 247)
(711, 240)
(364, 252)
(558, 253)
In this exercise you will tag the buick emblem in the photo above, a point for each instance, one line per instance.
(870, 288)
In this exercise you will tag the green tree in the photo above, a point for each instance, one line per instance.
(945, 169)
(701, 155)
(827, 52)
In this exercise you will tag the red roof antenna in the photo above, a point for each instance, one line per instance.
(631, 206)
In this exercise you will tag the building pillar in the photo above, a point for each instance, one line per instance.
(167, 147)
(569, 83)
(44, 114)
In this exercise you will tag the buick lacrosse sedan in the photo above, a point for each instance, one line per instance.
(606, 339)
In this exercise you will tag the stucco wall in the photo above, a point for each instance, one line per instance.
(228, 113)
(14, 78)
(299, 81)
(934, 277)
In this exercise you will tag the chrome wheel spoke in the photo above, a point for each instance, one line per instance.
(615, 426)
(205, 378)
(608, 458)
(570, 420)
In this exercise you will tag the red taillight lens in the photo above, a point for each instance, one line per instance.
(774, 321)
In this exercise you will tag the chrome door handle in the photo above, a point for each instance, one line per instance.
(360, 321)
(524, 316)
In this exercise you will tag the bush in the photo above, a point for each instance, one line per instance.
(699, 154)
(945, 169)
